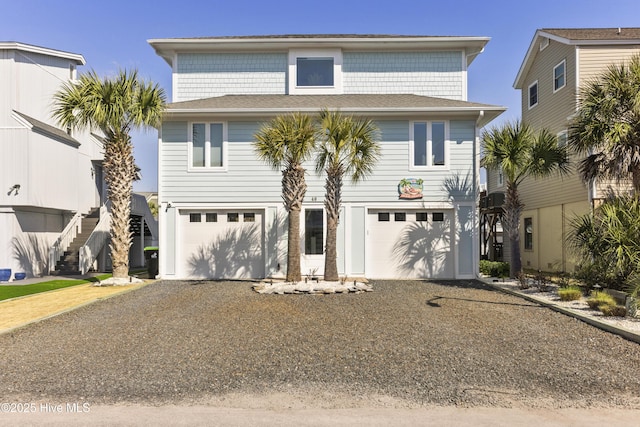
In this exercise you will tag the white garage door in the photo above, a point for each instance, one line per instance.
(410, 244)
(222, 244)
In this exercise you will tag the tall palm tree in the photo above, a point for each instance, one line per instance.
(114, 105)
(285, 143)
(520, 153)
(606, 126)
(347, 145)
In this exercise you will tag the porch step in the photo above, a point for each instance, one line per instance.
(69, 262)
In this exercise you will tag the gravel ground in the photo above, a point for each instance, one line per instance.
(407, 344)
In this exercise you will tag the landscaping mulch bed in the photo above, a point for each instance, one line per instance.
(407, 343)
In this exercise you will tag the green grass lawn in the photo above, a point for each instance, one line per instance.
(13, 291)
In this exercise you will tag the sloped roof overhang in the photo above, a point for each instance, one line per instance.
(168, 48)
(382, 105)
(576, 37)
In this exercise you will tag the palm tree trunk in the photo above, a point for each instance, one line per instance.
(293, 248)
(294, 188)
(332, 202)
(512, 211)
(119, 172)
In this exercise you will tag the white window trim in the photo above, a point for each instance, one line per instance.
(447, 143)
(336, 54)
(562, 63)
(529, 94)
(303, 234)
(207, 148)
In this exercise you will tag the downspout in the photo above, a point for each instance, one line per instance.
(476, 234)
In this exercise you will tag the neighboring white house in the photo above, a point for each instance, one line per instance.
(221, 212)
(51, 182)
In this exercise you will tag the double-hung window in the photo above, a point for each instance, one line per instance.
(207, 146)
(533, 94)
(559, 73)
(315, 71)
(429, 147)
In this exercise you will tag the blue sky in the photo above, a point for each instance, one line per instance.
(113, 34)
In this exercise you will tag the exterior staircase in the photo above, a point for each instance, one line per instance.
(69, 262)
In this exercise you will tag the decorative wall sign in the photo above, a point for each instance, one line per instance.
(410, 188)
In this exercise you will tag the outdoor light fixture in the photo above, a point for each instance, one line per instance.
(15, 189)
(168, 206)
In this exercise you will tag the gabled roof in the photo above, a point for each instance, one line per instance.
(46, 129)
(382, 104)
(167, 48)
(577, 37)
(77, 58)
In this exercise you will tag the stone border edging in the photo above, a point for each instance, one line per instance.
(625, 333)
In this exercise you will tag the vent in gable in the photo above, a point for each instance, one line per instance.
(544, 42)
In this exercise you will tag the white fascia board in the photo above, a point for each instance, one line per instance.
(488, 113)
(167, 48)
(524, 67)
(42, 51)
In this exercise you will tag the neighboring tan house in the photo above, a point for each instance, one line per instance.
(52, 192)
(221, 212)
(558, 63)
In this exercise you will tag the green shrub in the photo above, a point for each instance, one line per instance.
(570, 293)
(613, 310)
(598, 299)
(494, 268)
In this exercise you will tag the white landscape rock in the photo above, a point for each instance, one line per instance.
(312, 287)
(122, 281)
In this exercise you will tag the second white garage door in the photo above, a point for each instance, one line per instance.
(222, 244)
(410, 244)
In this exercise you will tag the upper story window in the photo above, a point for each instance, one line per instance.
(500, 177)
(429, 148)
(533, 94)
(559, 72)
(316, 71)
(207, 147)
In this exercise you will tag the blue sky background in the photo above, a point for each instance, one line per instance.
(113, 34)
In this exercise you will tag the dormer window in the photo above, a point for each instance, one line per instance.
(315, 71)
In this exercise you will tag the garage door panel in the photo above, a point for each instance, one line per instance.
(410, 248)
(228, 248)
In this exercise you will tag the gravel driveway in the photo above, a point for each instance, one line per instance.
(406, 344)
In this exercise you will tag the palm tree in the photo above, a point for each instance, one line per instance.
(285, 143)
(347, 146)
(115, 106)
(606, 126)
(520, 153)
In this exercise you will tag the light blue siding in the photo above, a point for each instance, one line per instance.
(438, 74)
(203, 75)
(248, 180)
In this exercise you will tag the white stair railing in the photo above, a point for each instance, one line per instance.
(96, 241)
(64, 240)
